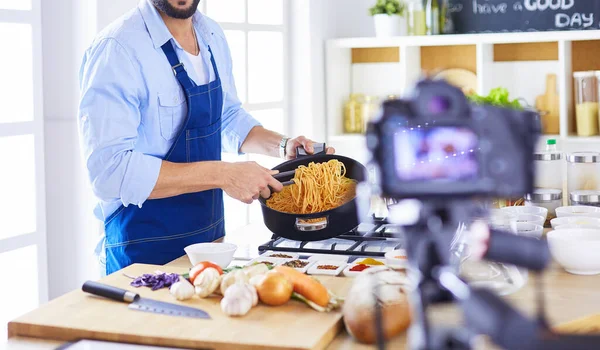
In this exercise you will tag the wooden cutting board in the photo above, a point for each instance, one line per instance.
(549, 104)
(586, 325)
(78, 315)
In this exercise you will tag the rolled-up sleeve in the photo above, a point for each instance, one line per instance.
(109, 117)
(236, 122)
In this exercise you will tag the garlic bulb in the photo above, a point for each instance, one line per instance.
(234, 277)
(207, 282)
(256, 270)
(239, 299)
(182, 290)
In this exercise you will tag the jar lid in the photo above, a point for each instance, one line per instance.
(584, 157)
(544, 195)
(587, 74)
(584, 196)
(547, 156)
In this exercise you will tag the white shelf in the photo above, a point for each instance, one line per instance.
(343, 77)
(466, 39)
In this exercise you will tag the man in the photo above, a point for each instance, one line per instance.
(158, 104)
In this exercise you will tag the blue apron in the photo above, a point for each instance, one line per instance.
(158, 232)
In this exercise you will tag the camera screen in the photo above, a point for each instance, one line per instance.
(436, 153)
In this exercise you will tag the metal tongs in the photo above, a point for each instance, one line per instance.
(300, 152)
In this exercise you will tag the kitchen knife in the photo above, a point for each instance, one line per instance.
(141, 304)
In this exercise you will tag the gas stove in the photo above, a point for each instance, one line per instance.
(373, 240)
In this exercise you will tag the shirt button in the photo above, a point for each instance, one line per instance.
(175, 99)
(84, 118)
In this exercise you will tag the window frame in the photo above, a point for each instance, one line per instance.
(34, 127)
(285, 103)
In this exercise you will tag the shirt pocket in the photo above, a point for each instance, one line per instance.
(172, 109)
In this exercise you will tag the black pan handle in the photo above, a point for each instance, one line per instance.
(318, 148)
(110, 292)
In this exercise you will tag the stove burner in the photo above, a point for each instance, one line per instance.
(374, 241)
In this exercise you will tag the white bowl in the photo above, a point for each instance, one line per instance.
(218, 253)
(574, 226)
(531, 218)
(578, 210)
(518, 210)
(395, 263)
(575, 220)
(530, 229)
(576, 250)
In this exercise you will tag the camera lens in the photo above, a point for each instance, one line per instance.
(438, 105)
(437, 99)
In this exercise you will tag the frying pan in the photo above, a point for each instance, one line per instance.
(333, 222)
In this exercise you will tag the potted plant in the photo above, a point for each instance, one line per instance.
(389, 17)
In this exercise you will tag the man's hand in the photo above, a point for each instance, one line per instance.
(246, 181)
(301, 141)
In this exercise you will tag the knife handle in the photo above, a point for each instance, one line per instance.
(109, 292)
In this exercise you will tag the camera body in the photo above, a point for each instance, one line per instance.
(436, 145)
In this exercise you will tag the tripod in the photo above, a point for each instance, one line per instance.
(428, 243)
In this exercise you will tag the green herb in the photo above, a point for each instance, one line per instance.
(498, 97)
(388, 7)
(230, 269)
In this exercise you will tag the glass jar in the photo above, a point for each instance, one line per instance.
(583, 197)
(546, 198)
(586, 103)
(417, 20)
(353, 115)
(370, 108)
(548, 170)
(583, 171)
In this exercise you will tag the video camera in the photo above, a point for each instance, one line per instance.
(437, 145)
(436, 149)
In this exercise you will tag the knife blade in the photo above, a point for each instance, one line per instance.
(142, 304)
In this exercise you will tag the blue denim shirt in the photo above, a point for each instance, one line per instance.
(132, 106)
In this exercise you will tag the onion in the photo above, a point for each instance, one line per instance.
(274, 289)
(359, 307)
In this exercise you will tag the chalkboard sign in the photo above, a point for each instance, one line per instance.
(493, 16)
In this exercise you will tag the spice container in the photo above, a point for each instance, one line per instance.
(546, 198)
(584, 197)
(353, 115)
(548, 167)
(583, 171)
(586, 103)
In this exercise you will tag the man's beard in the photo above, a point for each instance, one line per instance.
(169, 10)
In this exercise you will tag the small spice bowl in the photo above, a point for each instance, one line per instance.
(396, 259)
(316, 270)
(307, 264)
(349, 273)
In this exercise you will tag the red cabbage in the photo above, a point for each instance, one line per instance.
(155, 281)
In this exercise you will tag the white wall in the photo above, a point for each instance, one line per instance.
(326, 19)
(68, 27)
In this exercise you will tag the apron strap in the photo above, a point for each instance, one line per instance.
(177, 67)
(214, 65)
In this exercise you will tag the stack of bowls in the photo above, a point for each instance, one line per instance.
(529, 220)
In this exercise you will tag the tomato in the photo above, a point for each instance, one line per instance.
(201, 266)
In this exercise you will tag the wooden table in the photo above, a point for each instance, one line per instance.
(568, 297)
